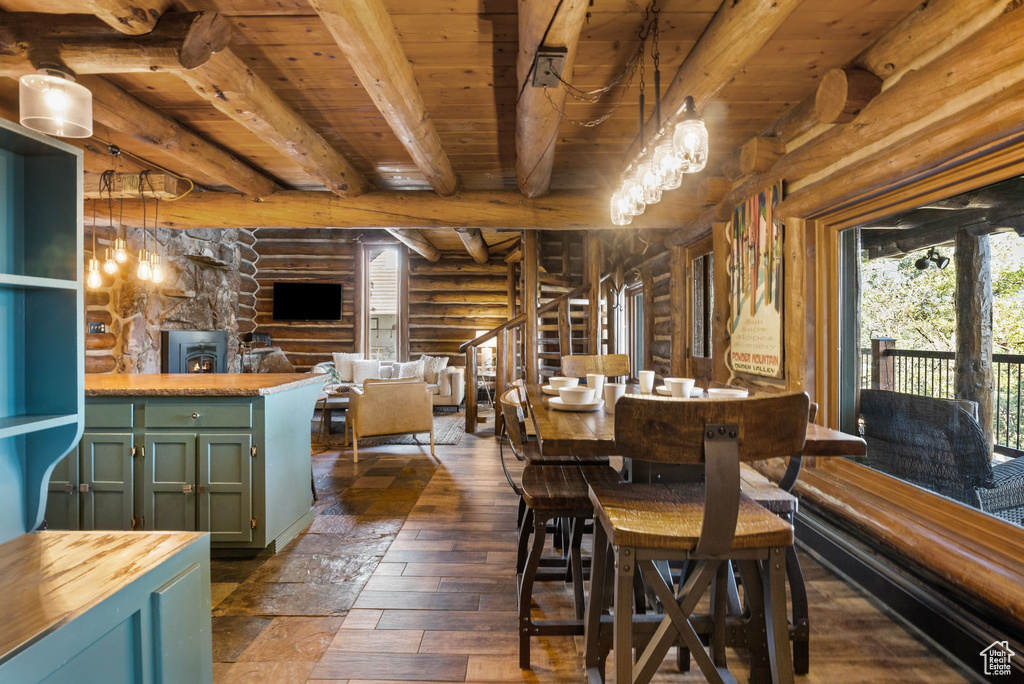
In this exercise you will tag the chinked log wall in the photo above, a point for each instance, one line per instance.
(449, 300)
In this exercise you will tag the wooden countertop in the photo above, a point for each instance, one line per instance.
(49, 578)
(196, 384)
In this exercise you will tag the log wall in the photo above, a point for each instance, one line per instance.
(311, 255)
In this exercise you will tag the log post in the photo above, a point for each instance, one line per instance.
(677, 289)
(500, 378)
(722, 321)
(882, 364)
(973, 361)
(592, 271)
(531, 338)
(612, 321)
(471, 389)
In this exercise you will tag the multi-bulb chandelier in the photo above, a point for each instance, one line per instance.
(150, 268)
(675, 150)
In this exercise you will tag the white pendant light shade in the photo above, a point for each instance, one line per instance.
(619, 206)
(668, 165)
(51, 102)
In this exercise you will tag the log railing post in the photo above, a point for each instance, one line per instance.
(471, 389)
(531, 280)
(882, 363)
(564, 329)
(500, 385)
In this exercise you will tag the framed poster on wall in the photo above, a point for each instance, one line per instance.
(756, 294)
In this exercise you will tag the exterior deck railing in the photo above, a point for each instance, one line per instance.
(932, 374)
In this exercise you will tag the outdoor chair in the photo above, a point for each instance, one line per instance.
(939, 445)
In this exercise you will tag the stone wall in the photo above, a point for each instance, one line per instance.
(205, 274)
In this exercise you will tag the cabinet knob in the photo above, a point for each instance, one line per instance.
(195, 416)
(201, 489)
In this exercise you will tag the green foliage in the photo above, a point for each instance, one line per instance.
(916, 308)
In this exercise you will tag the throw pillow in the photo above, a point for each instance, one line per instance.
(432, 366)
(365, 370)
(343, 362)
(412, 369)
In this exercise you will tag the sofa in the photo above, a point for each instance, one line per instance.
(448, 390)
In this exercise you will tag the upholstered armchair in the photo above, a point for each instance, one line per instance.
(390, 407)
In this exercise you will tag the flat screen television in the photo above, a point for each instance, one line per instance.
(307, 301)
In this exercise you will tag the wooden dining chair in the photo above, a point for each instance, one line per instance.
(608, 365)
(709, 525)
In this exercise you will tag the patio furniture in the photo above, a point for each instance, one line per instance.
(708, 525)
(937, 444)
(390, 407)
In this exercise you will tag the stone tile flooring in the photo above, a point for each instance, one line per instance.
(408, 574)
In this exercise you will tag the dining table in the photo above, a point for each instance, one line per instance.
(592, 433)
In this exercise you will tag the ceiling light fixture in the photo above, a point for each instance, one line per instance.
(930, 259)
(49, 101)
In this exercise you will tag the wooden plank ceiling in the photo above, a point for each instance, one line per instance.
(463, 55)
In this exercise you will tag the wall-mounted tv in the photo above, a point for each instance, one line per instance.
(307, 301)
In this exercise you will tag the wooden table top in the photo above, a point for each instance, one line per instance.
(593, 433)
(49, 578)
(195, 384)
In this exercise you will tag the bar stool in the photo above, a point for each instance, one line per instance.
(710, 525)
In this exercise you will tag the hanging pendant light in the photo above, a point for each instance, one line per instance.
(649, 181)
(94, 279)
(667, 164)
(155, 269)
(619, 204)
(110, 263)
(690, 139)
(145, 270)
(120, 251)
(50, 102)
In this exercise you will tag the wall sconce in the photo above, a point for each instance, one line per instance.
(50, 102)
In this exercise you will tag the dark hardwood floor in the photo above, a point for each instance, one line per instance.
(408, 574)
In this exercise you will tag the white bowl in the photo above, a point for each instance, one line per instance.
(576, 395)
(559, 382)
(727, 393)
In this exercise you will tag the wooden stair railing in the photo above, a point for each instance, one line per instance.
(505, 356)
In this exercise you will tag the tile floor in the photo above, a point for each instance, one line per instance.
(407, 574)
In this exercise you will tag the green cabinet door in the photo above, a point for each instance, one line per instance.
(62, 497)
(225, 487)
(169, 481)
(106, 472)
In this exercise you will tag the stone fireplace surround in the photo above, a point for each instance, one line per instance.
(209, 285)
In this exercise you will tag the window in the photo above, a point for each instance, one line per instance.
(932, 346)
(703, 304)
(382, 311)
(635, 327)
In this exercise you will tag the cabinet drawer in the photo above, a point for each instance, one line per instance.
(108, 415)
(198, 415)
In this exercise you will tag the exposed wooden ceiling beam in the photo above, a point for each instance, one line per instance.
(133, 17)
(86, 45)
(473, 241)
(200, 158)
(737, 33)
(366, 34)
(230, 86)
(417, 242)
(503, 209)
(551, 23)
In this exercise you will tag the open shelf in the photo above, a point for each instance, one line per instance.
(33, 282)
(11, 426)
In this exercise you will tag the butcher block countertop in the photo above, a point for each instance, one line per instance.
(196, 384)
(49, 578)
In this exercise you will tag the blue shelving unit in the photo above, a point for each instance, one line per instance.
(41, 319)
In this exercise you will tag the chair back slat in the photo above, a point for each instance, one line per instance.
(610, 365)
(512, 410)
(672, 431)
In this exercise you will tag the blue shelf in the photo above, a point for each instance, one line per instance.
(23, 424)
(32, 282)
